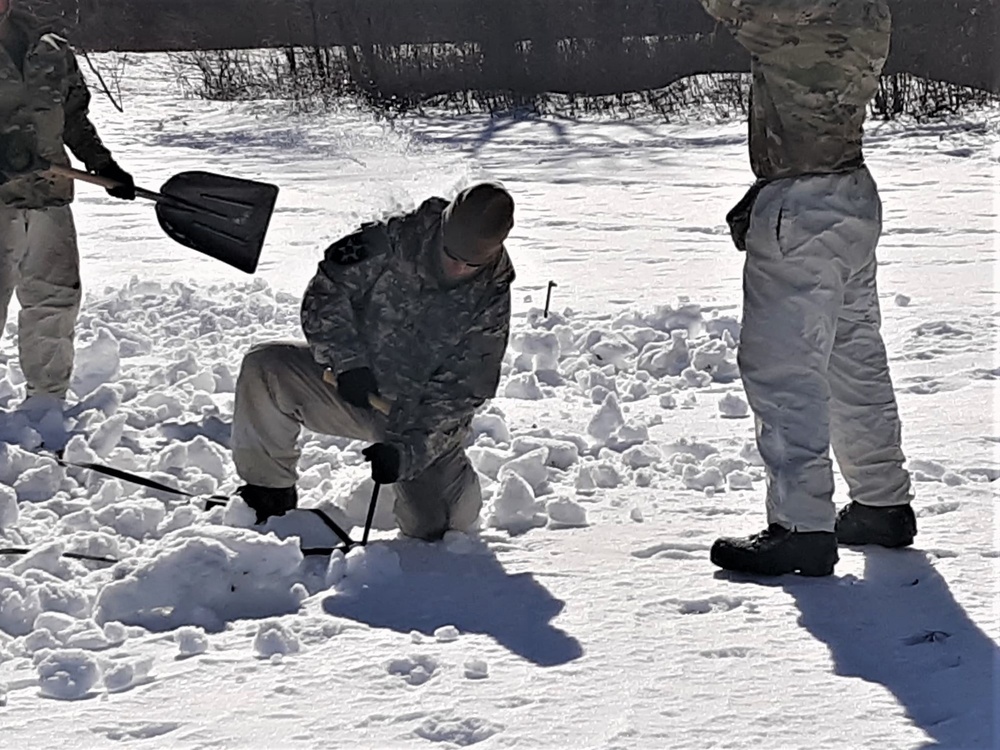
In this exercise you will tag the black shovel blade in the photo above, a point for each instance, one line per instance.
(223, 217)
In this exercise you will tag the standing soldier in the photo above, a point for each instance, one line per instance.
(415, 311)
(43, 109)
(811, 356)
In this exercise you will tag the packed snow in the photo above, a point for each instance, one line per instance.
(583, 612)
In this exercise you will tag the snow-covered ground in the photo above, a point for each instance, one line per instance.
(585, 614)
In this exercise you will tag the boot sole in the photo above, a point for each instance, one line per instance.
(886, 542)
(816, 570)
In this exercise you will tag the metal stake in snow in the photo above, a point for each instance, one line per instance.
(548, 298)
(371, 513)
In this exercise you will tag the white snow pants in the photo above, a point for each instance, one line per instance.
(280, 389)
(39, 261)
(811, 356)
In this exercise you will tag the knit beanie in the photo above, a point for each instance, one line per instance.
(477, 222)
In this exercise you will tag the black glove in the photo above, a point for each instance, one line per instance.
(126, 190)
(354, 386)
(385, 462)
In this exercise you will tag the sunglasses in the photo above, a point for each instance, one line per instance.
(458, 259)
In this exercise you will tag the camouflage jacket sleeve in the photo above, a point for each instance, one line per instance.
(79, 132)
(761, 26)
(426, 427)
(336, 293)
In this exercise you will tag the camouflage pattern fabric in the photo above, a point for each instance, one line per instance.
(378, 301)
(45, 98)
(815, 67)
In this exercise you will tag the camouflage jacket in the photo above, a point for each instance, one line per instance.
(815, 67)
(436, 351)
(46, 97)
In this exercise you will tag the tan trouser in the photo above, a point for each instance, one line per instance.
(280, 389)
(39, 260)
(811, 356)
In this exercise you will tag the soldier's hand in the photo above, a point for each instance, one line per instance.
(354, 386)
(385, 460)
(125, 189)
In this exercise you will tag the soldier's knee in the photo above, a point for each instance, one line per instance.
(420, 524)
(258, 362)
(34, 293)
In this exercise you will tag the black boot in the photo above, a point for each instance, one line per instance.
(889, 526)
(776, 551)
(269, 501)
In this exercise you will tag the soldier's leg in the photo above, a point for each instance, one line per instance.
(865, 429)
(280, 389)
(445, 496)
(13, 241)
(813, 360)
(49, 292)
(793, 288)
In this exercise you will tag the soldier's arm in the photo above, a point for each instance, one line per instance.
(761, 26)
(348, 270)
(79, 133)
(425, 428)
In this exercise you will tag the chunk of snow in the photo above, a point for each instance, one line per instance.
(732, 406)
(274, 638)
(564, 514)
(67, 674)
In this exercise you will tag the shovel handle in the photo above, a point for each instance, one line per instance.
(378, 403)
(104, 182)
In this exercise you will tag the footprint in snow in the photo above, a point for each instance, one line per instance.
(705, 606)
(938, 509)
(692, 606)
(671, 550)
(732, 652)
(940, 553)
(461, 732)
(135, 730)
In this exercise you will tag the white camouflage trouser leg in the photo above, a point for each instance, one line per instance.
(39, 260)
(811, 355)
(280, 389)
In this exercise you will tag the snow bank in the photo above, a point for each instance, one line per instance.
(205, 576)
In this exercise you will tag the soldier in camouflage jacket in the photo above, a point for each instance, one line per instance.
(43, 109)
(811, 355)
(414, 310)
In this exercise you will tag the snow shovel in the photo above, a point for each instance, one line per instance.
(223, 217)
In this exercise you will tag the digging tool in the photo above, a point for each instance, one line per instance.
(223, 217)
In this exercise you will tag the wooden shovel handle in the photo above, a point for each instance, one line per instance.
(104, 182)
(378, 403)
(79, 174)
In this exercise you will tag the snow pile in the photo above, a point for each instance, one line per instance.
(476, 668)
(515, 508)
(67, 674)
(274, 638)
(564, 513)
(9, 511)
(23, 597)
(416, 669)
(446, 634)
(191, 640)
(733, 407)
(228, 574)
(122, 675)
(361, 567)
